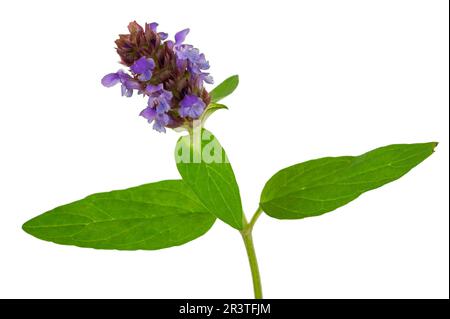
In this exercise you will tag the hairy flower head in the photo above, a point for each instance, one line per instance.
(169, 73)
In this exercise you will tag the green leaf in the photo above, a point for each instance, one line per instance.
(318, 186)
(224, 89)
(151, 216)
(204, 166)
(210, 109)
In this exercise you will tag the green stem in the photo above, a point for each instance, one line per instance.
(248, 242)
(255, 218)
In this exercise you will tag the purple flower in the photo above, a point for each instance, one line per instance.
(144, 67)
(159, 98)
(180, 36)
(153, 26)
(207, 78)
(190, 57)
(161, 119)
(159, 103)
(128, 84)
(148, 113)
(191, 106)
(196, 60)
(151, 89)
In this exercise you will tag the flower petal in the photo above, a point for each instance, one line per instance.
(148, 113)
(169, 44)
(191, 106)
(208, 78)
(145, 76)
(153, 26)
(142, 65)
(181, 36)
(196, 110)
(126, 91)
(157, 126)
(149, 89)
(163, 35)
(161, 120)
(132, 84)
(110, 79)
(162, 107)
(188, 101)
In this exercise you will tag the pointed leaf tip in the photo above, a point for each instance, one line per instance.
(319, 186)
(224, 89)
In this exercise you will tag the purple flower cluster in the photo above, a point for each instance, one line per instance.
(159, 103)
(190, 57)
(128, 84)
(170, 74)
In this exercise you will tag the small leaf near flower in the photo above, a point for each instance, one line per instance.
(224, 89)
(210, 109)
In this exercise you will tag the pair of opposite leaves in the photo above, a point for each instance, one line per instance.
(173, 212)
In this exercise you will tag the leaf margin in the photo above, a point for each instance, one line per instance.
(275, 213)
(205, 224)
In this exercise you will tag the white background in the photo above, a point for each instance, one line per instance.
(318, 78)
